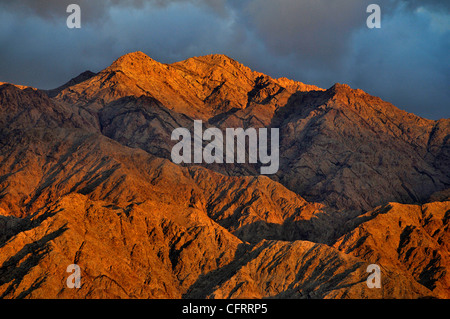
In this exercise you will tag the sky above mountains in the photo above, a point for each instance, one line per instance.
(319, 42)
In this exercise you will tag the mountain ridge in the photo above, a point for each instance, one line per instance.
(191, 86)
(86, 178)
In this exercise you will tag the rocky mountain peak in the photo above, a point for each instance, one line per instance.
(135, 63)
(341, 90)
(133, 57)
(219, 58)
(216, 64)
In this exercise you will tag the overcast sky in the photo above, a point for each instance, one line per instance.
(321, 42)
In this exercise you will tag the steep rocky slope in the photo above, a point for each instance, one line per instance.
(142, 227)
(125, 217)
(412, 238)
(351, 150)
(86, 75)
(25, 107)
(303, 269)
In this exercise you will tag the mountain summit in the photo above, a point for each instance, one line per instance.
(200, 87)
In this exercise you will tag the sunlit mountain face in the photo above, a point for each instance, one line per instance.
(87, 179)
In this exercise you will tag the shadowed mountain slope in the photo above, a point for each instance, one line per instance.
(142, 227)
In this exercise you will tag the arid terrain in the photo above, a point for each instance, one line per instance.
(86, 178)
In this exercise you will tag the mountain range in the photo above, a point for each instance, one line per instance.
(86, 178)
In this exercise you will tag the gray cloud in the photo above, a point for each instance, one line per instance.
(318, 30)
(93, 11)
(331, 9)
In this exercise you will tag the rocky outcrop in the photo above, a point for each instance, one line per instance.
(303, 269)
(411, 238)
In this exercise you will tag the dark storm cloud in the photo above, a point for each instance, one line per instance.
(93, 10)
(314, 41)
(318, 30)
